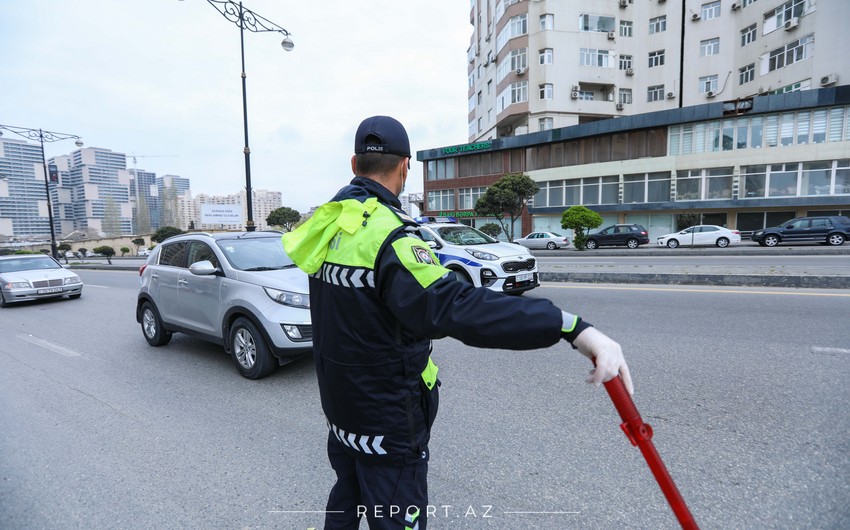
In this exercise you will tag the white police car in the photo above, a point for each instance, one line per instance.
(477, 258)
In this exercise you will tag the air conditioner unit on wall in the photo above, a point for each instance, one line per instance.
(710, 94)
(830, 79)
(792, 23)
(624, 3)
(670, 95)
(574, 94)
(620, 106)
(695, 17)
(520, 71)
(630, 71)
(736, 6)
(576, 88)
(611, 35)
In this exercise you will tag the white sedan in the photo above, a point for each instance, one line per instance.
(549, 240)
(701, 235)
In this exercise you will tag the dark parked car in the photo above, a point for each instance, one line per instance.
(828, 229)
(630, 235)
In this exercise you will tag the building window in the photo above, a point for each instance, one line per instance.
(515, 93)
(441, 200)
(468, 197)
(748, 35)
(646, 187)
(625, 62)
(625, 28)
(709, 47)
(655, 93)
(776, 18)
(656, 58)
(791, 53)
(516, 60)
(585, 95)
(546, 91)
(746, 74)
(658, 24)
(544, 124)
(593, 57)
(711, 10)
(471, 104)
(704, 184)
(547, 22)
(547, 56)
(745, 3)
(517, 26)
(440, 169)
(708, 84)
(470, 132)
(595, 23)
(626, 96)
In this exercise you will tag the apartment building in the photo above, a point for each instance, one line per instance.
(539, 65)
(734, 118)
(264, 202)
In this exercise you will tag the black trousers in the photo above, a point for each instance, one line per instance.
(390, 496)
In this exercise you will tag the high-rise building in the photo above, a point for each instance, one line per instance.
(23, 200)
(264, 202)
(539, 65)
(725, 112)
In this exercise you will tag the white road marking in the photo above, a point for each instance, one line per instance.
(47, 345)
(96, 286)
(674, 289)
(830, 351)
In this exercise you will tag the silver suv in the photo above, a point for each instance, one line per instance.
(239, 290)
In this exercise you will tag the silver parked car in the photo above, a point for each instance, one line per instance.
(33, 276)
(239, 290)
(539, 240)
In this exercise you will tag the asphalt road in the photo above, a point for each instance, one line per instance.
(744, 387)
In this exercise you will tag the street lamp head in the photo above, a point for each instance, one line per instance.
(287, 43)
(78, 143)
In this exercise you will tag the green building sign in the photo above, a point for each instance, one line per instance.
(481, 146)
(458, 214)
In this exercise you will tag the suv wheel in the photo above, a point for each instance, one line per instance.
(633, 243)
(835, 239)
(672, 243)
(152, 327)
(771, 240)
(2, 300)
(722, 242)
(590, 244)
(250, 352)
(462, 277)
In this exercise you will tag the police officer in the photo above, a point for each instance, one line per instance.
(378, 296)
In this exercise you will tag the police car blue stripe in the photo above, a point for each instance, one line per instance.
(448, 257)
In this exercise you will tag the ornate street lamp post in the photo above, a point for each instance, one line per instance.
(44, 136)
(248, 20)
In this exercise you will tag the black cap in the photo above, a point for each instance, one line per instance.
(386, 136)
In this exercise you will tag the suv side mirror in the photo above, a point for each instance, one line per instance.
(432, 244)
(203, 268)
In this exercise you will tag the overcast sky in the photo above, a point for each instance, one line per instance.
(161, 79)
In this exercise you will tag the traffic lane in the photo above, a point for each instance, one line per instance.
(517, 430)
(126, 435)
(741, 382)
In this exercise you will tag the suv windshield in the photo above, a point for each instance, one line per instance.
(464, 235)
(255, 254)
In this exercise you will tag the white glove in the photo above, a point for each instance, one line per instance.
(610, 363)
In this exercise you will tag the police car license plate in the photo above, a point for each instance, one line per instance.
(51, 290)
(524, 277)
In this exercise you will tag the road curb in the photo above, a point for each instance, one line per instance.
(732, 280)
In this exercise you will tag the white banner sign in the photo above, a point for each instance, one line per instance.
(226, 214)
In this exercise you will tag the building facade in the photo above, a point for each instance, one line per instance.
(539, 65)
(264, 202)
(746, 164)
(23, 199)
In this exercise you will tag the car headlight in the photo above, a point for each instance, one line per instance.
(758, 233)
(288, 298)
(480, 254)
(73, 280)
(18, 285)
